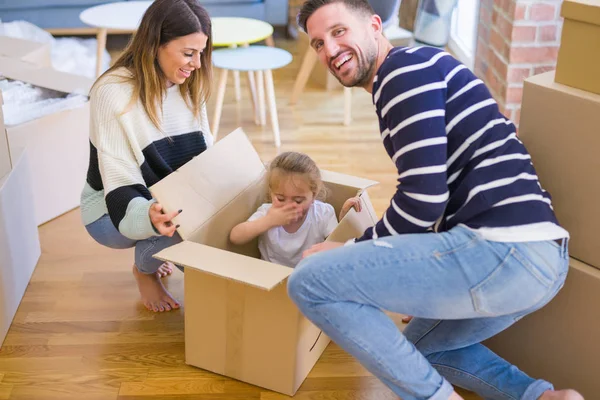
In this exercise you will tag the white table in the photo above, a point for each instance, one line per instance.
(127, 15)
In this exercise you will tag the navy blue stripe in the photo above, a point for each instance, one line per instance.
(94, 179)
(118, 199)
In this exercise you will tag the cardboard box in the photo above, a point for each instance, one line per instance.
(579, 53)
(239, 321)
(19, 240)
(26, 50)
(5, 163)
(58, 143)
(560, 343)
(559, 127)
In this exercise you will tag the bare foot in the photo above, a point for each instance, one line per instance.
(154, 295)
(567, 394)
(455, 396)
(165, 270)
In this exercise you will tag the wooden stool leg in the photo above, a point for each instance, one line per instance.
(272, 107)
(308, 63)
(269, 41)
(254, 96)
(261, 97)
(347, 105)
(236, 81)
(219, 103)
(101, 42)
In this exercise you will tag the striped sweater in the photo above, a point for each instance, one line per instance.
(458, 158)
(128, 153)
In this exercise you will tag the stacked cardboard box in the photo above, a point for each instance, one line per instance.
(560, 126)
(239, 321)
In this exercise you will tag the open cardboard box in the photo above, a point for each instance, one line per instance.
(239, 321)
(58, 143)
(19, 239)
(26, 50)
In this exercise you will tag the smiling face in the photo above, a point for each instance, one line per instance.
(345, 42)
(180, 57)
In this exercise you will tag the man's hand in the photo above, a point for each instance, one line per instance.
(353, 202)
(279, 216)
(321, 247)
(162, 222)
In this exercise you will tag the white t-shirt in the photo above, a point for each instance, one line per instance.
(280, 247)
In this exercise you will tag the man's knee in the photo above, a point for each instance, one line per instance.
(301, 283)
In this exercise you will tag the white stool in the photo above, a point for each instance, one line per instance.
(262, 60)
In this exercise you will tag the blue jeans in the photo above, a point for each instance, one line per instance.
(461, 289)
(104, 232)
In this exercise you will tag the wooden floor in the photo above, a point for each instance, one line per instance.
(80, 332)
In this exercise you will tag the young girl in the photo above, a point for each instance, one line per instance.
(295, 219)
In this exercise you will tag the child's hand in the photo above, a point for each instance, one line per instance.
(279, 216)
(354, 202)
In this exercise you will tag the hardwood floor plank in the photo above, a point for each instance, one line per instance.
(5, 391)
(173, 386)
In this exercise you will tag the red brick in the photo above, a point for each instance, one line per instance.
(517, 116)
(548, 33)
(542, 12)
(531, 54)
(483, 50)
(487, 4)
(517, 74)
(500, 65)
(520, 10)
(541, 70)
(481, 68)
(505, 27)
(514, 95)
(524, 34)
(485, 16)
(497, 87)
(498, 43)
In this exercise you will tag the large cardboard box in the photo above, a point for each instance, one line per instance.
(560, 343)
(26, 50)
(5, 162)
(579, 53)
(560, 127)
(58, 143)
(19, 240)
(239, 321)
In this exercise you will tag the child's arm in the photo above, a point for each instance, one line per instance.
(259, 224)
(352, 202)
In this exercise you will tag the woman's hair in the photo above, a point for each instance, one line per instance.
(164, 21)
(291, 162)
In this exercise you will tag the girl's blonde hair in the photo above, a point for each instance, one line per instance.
(164, 21)
(292, 162)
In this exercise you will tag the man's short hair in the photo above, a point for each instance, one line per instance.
(310, 6)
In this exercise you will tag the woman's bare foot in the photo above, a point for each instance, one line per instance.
(165, 270)
(154, 295)
(567, 394)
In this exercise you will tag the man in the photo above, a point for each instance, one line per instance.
(469, 243)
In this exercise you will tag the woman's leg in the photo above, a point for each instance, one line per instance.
(453, 275)
(146, 270)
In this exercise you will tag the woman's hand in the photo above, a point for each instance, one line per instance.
(162, 222)
(353, 202)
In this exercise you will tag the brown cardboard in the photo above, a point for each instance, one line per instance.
(579, 54)
(239, 321)
(19, 240)
(5, 162)
(58, 143)
(560, 128)
(26, 50)
(559, 343)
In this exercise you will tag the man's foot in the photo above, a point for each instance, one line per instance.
(165, 270)
(154, 295)
(567, 394)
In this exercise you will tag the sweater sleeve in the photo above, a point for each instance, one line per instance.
(128, 200)
(205, 127)
(411, 108)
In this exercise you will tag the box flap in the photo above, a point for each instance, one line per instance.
(45, 77)
(251, 271)
(347, 180)
(5, 161)
(209, 182)
(582, 10)
(547, 80)
(33, 52)
(353, 225)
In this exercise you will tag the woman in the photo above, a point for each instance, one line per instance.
(148, 118)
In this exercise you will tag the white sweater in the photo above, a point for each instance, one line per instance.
(128, 153)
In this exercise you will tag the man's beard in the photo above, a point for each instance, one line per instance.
(364, 69)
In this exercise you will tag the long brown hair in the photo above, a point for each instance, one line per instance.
(164, 21)
(310, 6)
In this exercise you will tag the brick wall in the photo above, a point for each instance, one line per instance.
(516, 39)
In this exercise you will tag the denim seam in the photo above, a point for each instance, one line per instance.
(436, 366)
(462, 246)
(428, 332)
(145, 252)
